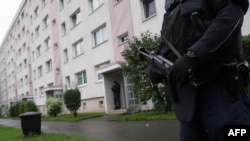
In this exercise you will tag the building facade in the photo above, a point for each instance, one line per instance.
(54, 45)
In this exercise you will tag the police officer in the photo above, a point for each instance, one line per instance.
(207, 33)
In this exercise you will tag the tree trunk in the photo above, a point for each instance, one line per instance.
(75, 114)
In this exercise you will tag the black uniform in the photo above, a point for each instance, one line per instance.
(210, 45)
(116, 93)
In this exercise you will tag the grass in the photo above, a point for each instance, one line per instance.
(152, 115)
(149, 115)
(14, 134)
(70, 117)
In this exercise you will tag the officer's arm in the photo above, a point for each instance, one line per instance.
(222, 29)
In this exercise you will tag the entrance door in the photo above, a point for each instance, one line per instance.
(131, 99)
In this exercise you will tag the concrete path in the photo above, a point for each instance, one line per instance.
(104, 129)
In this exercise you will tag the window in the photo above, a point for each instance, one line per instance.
(54, 22)
(20, 67)
(49, 65)
(46, 22)
(61, 4)
(81, 78)
(78, 48)
(63, 28)
(123, 38)
(41, 90)
(37, 31)
(18, 37)
(95, 4)
(149, 8)
(117, 1)
(100, 35)
(32, 37)
(44, 2)
(26, 79)
(76, 18)
(19, 52)
(47, 43)
(101, 104)
(21, 82)
(23, 31)
(31, 19)
(24, 47)
(55, 45)
(25, 63)
(99, 76)
(67, 79)
(22, 15)
(65, 55)
(84, 105)
(36, 12)
(57, 71)
(40, 71)
(38, 51)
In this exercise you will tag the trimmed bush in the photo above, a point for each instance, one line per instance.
(22, 107)
(53, 106)
(30, 106)
(72, 99)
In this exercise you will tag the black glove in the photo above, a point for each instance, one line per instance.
(155, 74)
(183, 70)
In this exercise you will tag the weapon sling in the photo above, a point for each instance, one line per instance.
(169, 28)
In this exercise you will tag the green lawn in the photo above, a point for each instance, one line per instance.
(14, 134)
(152, 115)
(70, 117)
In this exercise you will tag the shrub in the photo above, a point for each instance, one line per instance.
(22, 107)
(30, 106)
(72, 99)
(12, 111)
(53, 106)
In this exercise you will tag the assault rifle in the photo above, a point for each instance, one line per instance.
(163, 64)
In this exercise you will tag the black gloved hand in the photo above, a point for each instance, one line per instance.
(182, 69)
(155, 74)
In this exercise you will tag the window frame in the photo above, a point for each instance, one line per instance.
(65, 56)
(38, 51)
(47, 43)
(95, 4)
(76, 18)
(101, 32)
(78, 46)
(147, 8)
(45, 21)
(82, 76)
(63, 29)
(49, 66)
(40, 71)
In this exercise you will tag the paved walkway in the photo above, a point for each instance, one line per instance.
(103, 128)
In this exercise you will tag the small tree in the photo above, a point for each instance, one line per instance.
(135, 69)
(53, 106)
(72, 99)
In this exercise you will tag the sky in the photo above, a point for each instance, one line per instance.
(8, 9)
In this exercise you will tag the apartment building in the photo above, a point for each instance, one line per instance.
(54, 45)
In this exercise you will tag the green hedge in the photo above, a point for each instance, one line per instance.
(22, 107)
